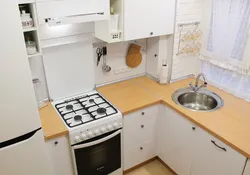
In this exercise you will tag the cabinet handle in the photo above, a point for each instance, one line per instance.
(141, 148)
(193, 128)
(224, 149)
(143, 113)
(142, 126)
(56, 142)
(151, 33)
(155, 55)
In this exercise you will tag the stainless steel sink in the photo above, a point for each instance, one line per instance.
(201, 100)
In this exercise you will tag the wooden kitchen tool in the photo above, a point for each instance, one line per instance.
(134, 57)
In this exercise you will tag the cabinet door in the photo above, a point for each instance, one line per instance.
(147, 18)
(175, 141)
(214, 157)
(139, 136)
(139, 127)
(60, 155)
(138, 154)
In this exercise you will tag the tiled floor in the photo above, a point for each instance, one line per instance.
(153, 168)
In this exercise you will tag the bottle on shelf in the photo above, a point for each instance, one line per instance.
(114, 20)
(38, 92)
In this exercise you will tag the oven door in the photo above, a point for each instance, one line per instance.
(98, 156)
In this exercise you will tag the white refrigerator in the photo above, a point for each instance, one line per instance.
(22, 145)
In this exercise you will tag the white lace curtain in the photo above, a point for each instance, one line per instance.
(227, 80)
(226, 26)
(226, 45)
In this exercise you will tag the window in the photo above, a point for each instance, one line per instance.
(225, 59)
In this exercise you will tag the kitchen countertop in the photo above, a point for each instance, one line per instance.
(127, 96)
(52, 125)
(231, 124)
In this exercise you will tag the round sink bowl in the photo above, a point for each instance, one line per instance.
(203, 100)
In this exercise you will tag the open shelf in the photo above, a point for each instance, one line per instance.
(35, 55)
(26, 1)
(103, 29)
(30, 29)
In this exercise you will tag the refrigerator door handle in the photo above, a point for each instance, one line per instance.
(18, 139)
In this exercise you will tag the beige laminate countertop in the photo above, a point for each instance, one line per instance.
(230, 124)
(52, 125)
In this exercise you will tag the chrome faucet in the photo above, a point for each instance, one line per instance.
(196, 88)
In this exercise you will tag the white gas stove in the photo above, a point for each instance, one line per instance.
(88, 115)
(94, 124)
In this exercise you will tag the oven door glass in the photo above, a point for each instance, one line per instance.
(100, 155)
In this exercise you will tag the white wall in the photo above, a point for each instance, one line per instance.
(115, 58)
(187, 11)
(159, 51)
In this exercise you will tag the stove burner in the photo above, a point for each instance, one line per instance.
(78, 117)
(101, 111)
(69, 107)
(84, 109)
(91, 100)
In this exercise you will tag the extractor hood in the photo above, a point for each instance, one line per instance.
(61, 12)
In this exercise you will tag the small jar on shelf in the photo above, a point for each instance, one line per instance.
(27, 21)
(30, 45)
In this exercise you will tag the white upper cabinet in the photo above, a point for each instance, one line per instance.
(58, 12)
(213, 157)
(175, 141)
(148, 18)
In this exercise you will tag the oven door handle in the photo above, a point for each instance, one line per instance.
(97, 141)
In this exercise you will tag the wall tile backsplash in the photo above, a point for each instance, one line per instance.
(187, 11)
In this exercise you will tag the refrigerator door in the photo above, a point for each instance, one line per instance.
(19, 114)
(27, 157)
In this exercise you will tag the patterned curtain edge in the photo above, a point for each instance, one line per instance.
(224, 65)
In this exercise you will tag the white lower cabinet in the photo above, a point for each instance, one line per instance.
(139, 136)
(211, 156)
(138, 154)
(189, 150)
(60, 155)
(184, 147)
(175, 140)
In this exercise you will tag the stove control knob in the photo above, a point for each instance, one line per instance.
(97, 132)
(110, 127)
(103, 130)
(83, 136)
(77, 139)
(90, 134)
(116, 125)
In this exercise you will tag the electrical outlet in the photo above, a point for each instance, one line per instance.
(128, 69)
(117, 71)
(122, 70)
